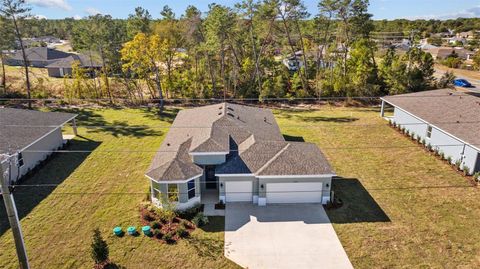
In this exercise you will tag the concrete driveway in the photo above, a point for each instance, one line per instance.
(282, 236)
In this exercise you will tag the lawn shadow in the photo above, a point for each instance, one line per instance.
(215, 224)
(168, 114)
(53, 172)
(358, 204)
(326, 119)
(96, 123)
(292, 138)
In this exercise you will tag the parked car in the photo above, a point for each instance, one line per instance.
(462, 83)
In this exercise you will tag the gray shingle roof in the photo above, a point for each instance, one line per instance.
(67, 62)
(457, 113)
(250, 134)
(40, 54)
(19, 127)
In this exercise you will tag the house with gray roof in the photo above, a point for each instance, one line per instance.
(235, 153)
(446, 119)
(28, 137)
(64, 67)
(37, 57)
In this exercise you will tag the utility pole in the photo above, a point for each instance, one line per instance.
(13, 217)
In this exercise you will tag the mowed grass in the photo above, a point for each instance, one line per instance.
(402, 207)
(103, 189)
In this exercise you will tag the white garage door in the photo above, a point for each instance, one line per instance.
(238, 191)
(302, 192)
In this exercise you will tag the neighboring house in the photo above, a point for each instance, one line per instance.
(37, 57)
(235, 153)
(26, 136)
(448, 120)
(63, 67)
(441, 53)
(294, 63)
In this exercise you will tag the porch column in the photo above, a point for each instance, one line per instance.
(382, 109)
(74, 126)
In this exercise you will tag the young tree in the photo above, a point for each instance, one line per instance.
(7, 39)
(99, 247)
(143, 56)
(138, 22)
(16, 11)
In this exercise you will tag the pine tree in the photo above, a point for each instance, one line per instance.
(99, 248)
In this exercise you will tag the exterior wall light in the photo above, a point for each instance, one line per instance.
(221, 185)
(261, 186)
(327, 185)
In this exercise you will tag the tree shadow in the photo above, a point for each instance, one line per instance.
(292, 138)
(96, 123)
(327, 119)
(358, 204)
(215, 224)
(168, 114)
(52, 172)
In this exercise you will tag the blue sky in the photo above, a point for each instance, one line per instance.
(382, 9)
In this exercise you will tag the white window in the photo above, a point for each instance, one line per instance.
(429, 131)
(191, 189)
(172, 191)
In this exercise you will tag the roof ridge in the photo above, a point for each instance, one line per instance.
(273, 158)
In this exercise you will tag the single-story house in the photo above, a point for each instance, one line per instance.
(63, 67)
(27, 136)
(446, 119)
(37, 57)
(235, 153)
(440, 53)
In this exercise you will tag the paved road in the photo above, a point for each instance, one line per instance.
(296, 236)
(475, 82)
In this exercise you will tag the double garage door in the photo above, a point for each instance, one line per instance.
(277, 193)
(301, 192)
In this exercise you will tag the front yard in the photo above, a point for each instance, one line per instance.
(402, 207)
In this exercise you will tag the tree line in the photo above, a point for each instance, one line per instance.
(233, 52)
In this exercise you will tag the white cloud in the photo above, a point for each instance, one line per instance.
(473, 12)
(62, 4)
(92, 11)
(77, 17)
(38, 17)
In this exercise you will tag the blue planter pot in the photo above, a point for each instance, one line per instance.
(132, 230)
(147, 230)
(117, 231)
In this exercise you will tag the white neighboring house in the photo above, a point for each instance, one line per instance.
(28, 137)
(446, 119)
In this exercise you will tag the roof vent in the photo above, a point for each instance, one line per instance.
(220, 107)
(230, 114)
(230, 108)
(219, 113)
(238, 117)
(265, 119)
(168, 144)
(450, 93)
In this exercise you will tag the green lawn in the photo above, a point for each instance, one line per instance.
(403, 207)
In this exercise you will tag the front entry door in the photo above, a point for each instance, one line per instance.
(210, 178)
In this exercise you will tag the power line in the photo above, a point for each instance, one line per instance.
(172, 151)
(208, 127)
(228, 99)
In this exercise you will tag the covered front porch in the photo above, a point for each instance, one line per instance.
(209, 198)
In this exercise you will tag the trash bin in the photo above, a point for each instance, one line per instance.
(132, 230)
(147, 230)
(117, 231)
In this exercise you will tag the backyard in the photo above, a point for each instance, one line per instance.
(402, 207)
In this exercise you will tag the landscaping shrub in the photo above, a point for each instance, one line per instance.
(155, 225)
(165, 215)
(200, 219)
(182, 232)
(168, 237)
(458, 163)
(449, 160)
(190, 213)
(466, 170)
(185, 224)
(158, 233)
(476, 176)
